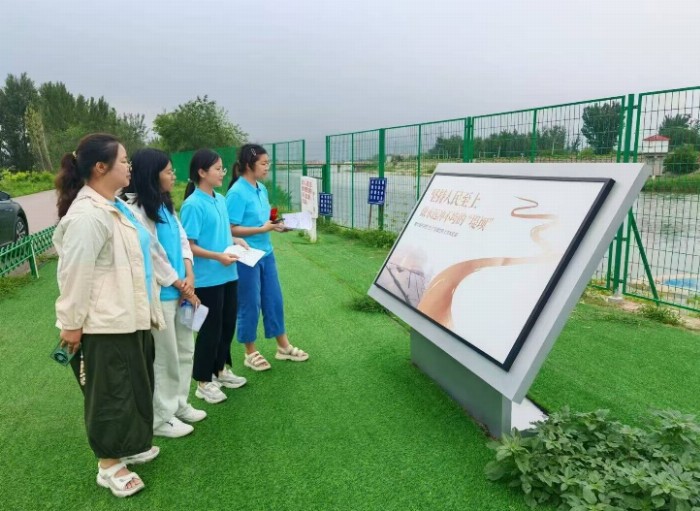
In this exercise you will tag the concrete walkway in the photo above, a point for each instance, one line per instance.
(40, 209)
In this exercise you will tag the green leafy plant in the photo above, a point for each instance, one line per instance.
(661, 314)
(373, 238)
(584, 461)
(25, 183)
(682, 160)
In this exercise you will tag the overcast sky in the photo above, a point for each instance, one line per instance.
(294, 69)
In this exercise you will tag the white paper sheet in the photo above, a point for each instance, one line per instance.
(247, 256)
(301, 221)
(200, 314)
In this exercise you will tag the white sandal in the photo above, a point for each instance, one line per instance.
(142, 457)
(256, 362)
(107, 479)
(291, 353)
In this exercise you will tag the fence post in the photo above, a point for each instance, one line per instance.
(468, 142)
(304, 169)
(274, 174)
(326, 172)
(628, 108)
(380, 170)
(418, 159)
(352, 180)
(533, 136)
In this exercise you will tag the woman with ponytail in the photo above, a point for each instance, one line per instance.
(205, 221)
(108, 301)
(259, 289)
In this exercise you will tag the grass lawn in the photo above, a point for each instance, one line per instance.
(356, 427)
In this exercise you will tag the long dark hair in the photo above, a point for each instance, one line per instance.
(202, 159)
(248, 154)
(76, 167)
(146, 166)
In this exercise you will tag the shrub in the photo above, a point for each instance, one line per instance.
(373, 238)
(583, 461)
(660, 314)
(682, 160)
(25, 183)
(586, 154)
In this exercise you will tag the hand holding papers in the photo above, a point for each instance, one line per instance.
(300, 221)
(192, 317)
(247, 256)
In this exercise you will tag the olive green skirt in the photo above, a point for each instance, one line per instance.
(117, 385)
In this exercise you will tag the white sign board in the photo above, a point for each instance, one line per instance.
(495, 256)
(309, 195)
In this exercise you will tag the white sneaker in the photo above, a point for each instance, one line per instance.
(228, 379)
(210, 393)
(190, 414)
(174, 428)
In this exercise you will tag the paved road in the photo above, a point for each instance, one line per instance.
(40, 209)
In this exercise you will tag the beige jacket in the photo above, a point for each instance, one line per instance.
(101, 274)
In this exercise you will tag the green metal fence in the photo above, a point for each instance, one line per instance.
(287, 165)
(25, 251)
(181, 163)
(661, 259)
(655, 254)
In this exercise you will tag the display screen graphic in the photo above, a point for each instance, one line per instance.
(481, 255)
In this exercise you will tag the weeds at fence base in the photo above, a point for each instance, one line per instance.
(372, 238)
(660, 314)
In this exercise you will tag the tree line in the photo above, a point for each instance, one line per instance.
(600, 128)
(38, 124)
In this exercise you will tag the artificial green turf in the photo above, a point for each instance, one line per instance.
(355, 427)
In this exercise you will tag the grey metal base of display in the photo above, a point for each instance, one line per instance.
(485, 404)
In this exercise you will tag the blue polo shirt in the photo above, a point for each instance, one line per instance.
(249, 206)
(205, 221)
(169, 237)
(144, 241)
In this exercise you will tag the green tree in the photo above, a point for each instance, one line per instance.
(447, 148)
(67, 119)
(37, 137)
(681, 130)
(196, 124)
(683, 160)
(601, 125)
(551, 140)
(131, 130)
(15, 98)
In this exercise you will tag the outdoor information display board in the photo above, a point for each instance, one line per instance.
(309, 202)
(495, 256)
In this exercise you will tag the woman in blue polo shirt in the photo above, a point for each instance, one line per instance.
(249, 214)
(205, 221)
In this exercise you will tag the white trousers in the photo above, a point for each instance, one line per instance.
(172, 367)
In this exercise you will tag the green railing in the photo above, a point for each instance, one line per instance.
(25, 251)
(655, 254)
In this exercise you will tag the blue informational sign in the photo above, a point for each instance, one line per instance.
(325, 204)
(377, 191)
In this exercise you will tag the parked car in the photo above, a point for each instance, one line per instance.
(13, 220)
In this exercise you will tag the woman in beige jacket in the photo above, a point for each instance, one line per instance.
(108, 281)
